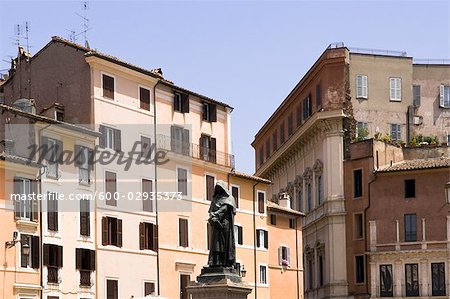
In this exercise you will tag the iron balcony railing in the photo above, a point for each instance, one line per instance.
(52, 276)
(194, 151)
(85, 278)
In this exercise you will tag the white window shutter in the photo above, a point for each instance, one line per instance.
(392, 87)
(280, 255)
(288, 255)
(364, 89)
(358, 86)
(441, 96)
(399, 88)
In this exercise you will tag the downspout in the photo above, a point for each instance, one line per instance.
(254, 240)
(156, 189)
(296, 256)
(41, 241)
(366, 230)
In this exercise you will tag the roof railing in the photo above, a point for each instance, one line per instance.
(431, 61)
(378, 52)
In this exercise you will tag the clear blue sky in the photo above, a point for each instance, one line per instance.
(248, 54)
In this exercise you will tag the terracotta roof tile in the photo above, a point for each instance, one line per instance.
(417, 164)
(250, 177)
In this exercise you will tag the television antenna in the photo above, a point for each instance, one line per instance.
(85, 27)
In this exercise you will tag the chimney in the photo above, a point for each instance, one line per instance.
(285, 200)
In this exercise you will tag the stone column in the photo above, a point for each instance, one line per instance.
(398, 278)
(423, 276)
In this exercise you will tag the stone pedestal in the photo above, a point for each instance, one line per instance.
(219, 283)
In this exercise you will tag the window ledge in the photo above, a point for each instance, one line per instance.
(395, 100)
(24, 224)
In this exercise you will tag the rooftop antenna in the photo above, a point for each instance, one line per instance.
(72, 35)
(17, 33)
(28, 55)
(84, 8)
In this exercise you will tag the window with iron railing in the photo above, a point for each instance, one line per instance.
(85, 278)
(52, 274)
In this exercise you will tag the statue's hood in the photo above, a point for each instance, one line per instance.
(226, 198)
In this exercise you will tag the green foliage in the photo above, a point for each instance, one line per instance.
(363, 133)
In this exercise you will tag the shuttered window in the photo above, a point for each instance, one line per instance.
(111, 231)
(53, 255)
(416, 95)
(361, 87)
(261, 203)
(444, 96)
(179, 140)
(84, 160)
(108, 86)
(209, 112)
(146, 148)
(307, 108)
(52, 211)
(210, 181)
(262, 238)
(396, 132)
(148, 236)
(85, 222)
(395, 89)
(112, 289)
(147, 189)
(284, 256)
(183, 232)
(111, 188)
(238, 235)
(24, 208)
(32, 259)
(182, 183)
(208, 149)
(144, 98)
(181, 102)
(111, 138)
(235, 192)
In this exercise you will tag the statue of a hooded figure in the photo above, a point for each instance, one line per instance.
(221, 217)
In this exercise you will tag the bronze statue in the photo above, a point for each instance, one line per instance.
(221, 217)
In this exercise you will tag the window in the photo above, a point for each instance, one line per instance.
(357, 183)
(261, 203)
(59, 115)
(310, 269)
(52, 211)
(290, 124)
(179, 140)
(298, 119)
(208, 148)
(416, 95)
(410, 188)
(182, 181)
(359, 226)
(275, 140)
(111, 188)
(307, 108)
(361, 87)
(386, 281)
(146, 147)
(396, 132)
(320, 260)
(262, 238)
(319, 188)
(53, 259)
(438, 279)
(235, 192)
(183, 232)
(149, 288)
(359, 268)
(144, 98)
(300, 200)
(209, 112)
(108, 87)
(111, 138)
(23, 208)
(362, 130)
(262, 274)
(444, 96)
(292, 223)
(185, 280)
(148, 236)
(210, 181)
(318, 95)
(268, 149)
(238, 234)
(284, 256)
(282, 133)
(32, 259)
(84, 160)
(273, 219)
(410, 228)
(181, 102)
(395, 89)
(309, 196)
(85, 217)
(111, 231)
(112, 289)
(412, 280)
(147, 202)
(53, 155)
(261, 154)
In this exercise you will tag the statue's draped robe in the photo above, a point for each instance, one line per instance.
(221, 217)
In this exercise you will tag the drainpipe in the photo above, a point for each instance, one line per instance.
(296, 255)
(366, 230)
(156, 189)
(254, 240)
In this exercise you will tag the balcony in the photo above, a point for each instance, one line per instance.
(85, 278)
(52, 275)
(194, 151)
